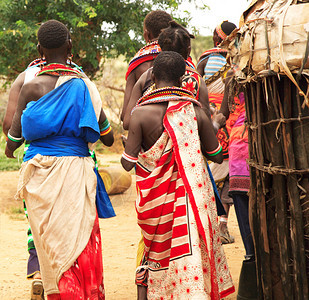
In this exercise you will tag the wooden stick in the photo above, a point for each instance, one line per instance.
(297, 233)
(264, 253)
(253, 216)
(279, 192)
(300, 136)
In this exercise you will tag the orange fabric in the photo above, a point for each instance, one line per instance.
(240, 133)
(223, 134)
(216, 99)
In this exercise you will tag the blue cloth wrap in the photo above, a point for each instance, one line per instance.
(104, 206)
(61, 123)
(220, 208)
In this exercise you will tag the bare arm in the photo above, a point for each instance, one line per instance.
(209, 141)
(106, 139)
(134, 141)
(135, 95)
(12, 102)
(31, 91)
(224, 109)
(15, 129)
(127, 93)
(131, 80)
(201, 66)
(203, 97)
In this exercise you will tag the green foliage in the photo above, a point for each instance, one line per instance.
(199, 45)
(99, 29)
(17, 213)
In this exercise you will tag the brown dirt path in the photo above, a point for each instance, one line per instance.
(120, 236)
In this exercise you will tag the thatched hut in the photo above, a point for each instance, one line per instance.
(270, 56)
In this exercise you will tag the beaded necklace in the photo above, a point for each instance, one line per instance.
(60, 70)
(37, 62)
(166, 94)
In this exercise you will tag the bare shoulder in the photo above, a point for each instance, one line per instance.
(137, 112)
(150, 113)
(19, 81)
(32, 88)
(142, 68)
(142, 80)
(137, 116)
(38, 87)
(201, 66)
(202, 62)
(143, 77)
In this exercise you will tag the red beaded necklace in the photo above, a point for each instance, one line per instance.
(165, 91)
(56, 69)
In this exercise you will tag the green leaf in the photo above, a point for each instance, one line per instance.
(20, 20)
(82, 24)
(90, 11)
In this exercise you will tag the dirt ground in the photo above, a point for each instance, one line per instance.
(120, 236)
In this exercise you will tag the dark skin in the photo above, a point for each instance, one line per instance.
(137, 93)
(12, 102)
(224, 108)
(136, 73)
(146, 126)
(131, 80)
(39, 87)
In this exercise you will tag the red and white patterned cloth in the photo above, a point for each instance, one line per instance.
(177, 213)
(146, 53)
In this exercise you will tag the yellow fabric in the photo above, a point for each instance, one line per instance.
(140, 251)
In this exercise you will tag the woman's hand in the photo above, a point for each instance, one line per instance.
(8, 152)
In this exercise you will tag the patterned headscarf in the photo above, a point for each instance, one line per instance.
(224, 29)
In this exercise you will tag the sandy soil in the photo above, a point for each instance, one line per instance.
(120, 236)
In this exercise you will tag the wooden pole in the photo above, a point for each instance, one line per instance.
(260, 233)
(279, 201)
(278, 194)
(253, 216)
(297, 233)
(301, 150)
(261, 203)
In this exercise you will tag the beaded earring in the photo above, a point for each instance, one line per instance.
(42, 62)
(70, 56)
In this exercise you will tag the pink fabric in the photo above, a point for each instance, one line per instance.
(238, 153)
